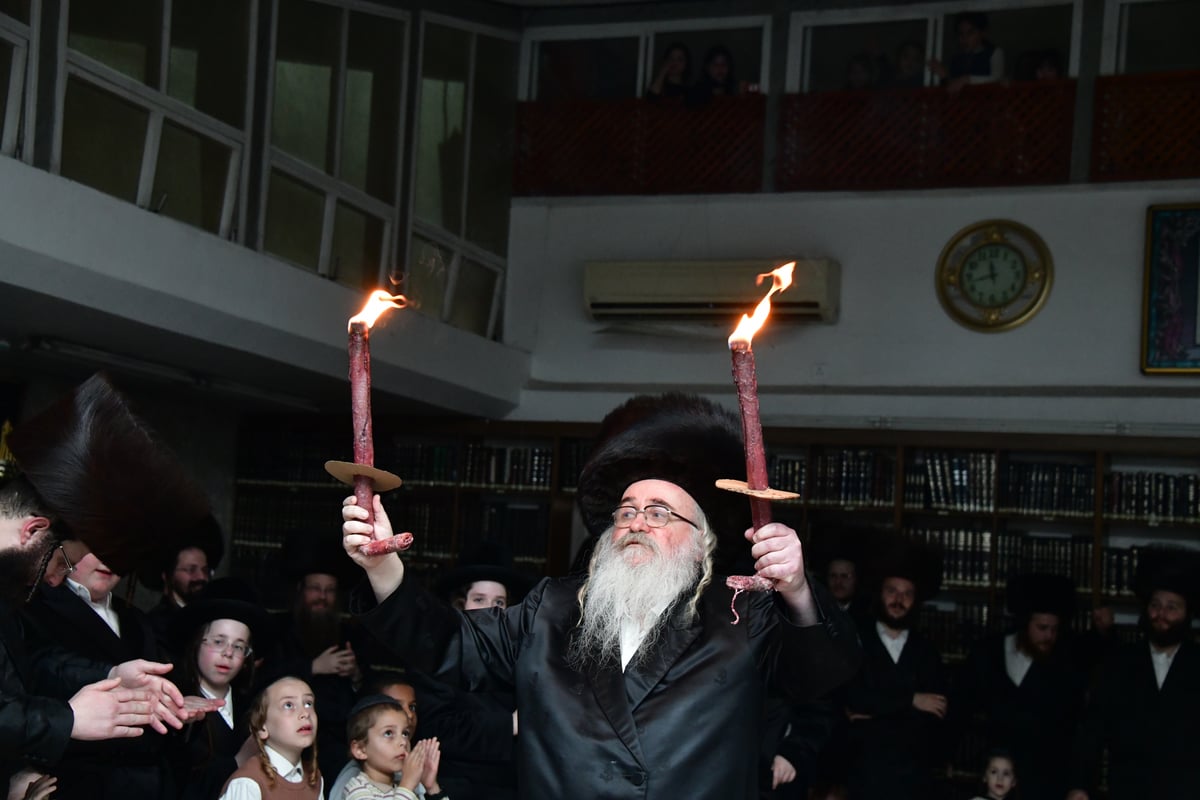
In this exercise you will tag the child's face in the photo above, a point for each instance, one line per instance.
(1000, 778)
(386, 746)
(291, 723)
(406, 696)
(221, 655)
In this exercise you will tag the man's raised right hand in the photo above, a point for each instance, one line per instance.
(385, 572)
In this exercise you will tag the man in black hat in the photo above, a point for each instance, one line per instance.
(1027, 689)
(83, 465)
(186, 570)
(1145, 710)
(898, 698)
(633, 678)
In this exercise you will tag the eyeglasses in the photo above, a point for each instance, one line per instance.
(220, 644)
(656, 516)
(195, 569)
(70, 567)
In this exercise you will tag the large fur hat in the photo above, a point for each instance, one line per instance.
(906, 557)
(684, 439)
(1170, 569)
(1041, 593)
(106, 479)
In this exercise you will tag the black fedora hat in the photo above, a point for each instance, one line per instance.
(912, 559)
(1169, 569)
(223, 598)
(487, 560)
(1041, 593)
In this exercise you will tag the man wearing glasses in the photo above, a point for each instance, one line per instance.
(633, 679)
(186, 570)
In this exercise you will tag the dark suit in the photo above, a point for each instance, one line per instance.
(892, 752)
(684, 723)
(202, 754)
(1035, 721)
(1150, 733)
(33, 730)
(118, 768)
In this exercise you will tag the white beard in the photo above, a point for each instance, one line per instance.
(622, 592)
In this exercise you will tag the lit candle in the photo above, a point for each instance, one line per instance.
(745, 379)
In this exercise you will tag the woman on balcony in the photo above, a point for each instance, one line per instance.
(978, 60)
(674, 73)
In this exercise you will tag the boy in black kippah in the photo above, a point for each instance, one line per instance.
(379, 730)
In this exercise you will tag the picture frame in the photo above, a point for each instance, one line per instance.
(1171, 290)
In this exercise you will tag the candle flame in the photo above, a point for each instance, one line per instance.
(781, 278)
(379, 302)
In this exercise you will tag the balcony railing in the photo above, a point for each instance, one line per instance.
(1146, 127)
(994, 135)
(635, 147)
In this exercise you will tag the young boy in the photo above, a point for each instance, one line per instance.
(379, 731)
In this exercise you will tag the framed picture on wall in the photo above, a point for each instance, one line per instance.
(1171, 297)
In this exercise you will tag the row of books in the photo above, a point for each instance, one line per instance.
(431, 522)
(787, 472)
(849, 477)
(268, 517)
(1153, 496)
(276, 454)
(509, 467)
(966, 554)
(945, 480)
(955, 630)
(523, 528)
(1064, 490)
(1018, 553)
(1118, 571)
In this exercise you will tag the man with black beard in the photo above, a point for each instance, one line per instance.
(634, 680)
(1145, 710)
(186, 570)
(1027, 689)
(83, 465)
(898, 698)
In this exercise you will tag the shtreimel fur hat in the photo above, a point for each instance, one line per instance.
(105, 478)
(684, 439)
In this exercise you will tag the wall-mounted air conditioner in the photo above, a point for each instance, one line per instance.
(673, 291)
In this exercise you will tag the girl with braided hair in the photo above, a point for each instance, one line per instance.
(283, 725)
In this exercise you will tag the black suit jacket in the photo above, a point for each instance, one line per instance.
(686, 722)
(1150, 733)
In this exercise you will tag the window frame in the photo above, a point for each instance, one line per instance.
(1115, 38)
(456, 242)
(161, 107)
(802, 23)
(19, 123)
(644, 32)
(333, 188)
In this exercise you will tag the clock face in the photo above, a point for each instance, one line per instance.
(994, 275)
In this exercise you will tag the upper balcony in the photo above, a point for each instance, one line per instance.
(1018, 133)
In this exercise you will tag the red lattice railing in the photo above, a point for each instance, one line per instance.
(1146, 127)
(994, 135)
(592, 147)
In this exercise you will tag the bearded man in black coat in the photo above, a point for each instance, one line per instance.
(634, 681)
(898, 698)
(1145, 710)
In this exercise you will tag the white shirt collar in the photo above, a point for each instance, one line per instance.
(104, 609)
(292, 773)
(632, 636)
(1162, 661)
(1016, 661)
(893, 644)
(226, 711)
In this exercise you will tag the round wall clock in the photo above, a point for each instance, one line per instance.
(994, 275)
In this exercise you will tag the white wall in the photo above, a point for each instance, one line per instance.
(894, 358)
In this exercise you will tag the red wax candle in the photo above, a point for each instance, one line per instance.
(745, 380)
(360, 408)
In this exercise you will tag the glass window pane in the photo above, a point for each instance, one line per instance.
(1026, 35)
(599, 68)
(868, 55)
(189, 180)
(490, 167)
(295, 216)
(428, 273)
(17, 9)
(744, 46)
(305, 54)
(209, 53)
(7, 52)
(102, 140)
(123, 34)
(1162, 36)
(440, 127)
(474, 294)
(357, 247)
(371, 113)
